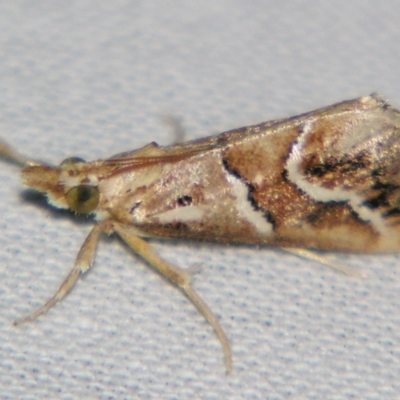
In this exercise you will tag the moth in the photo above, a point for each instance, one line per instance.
(328, 179)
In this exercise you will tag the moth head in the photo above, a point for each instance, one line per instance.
(77, 196)
(83, 198)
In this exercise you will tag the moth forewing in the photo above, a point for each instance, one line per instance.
(328, 179)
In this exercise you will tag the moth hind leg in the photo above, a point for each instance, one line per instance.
(310, 255)
(177, 128)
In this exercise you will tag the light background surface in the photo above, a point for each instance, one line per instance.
(93, 78)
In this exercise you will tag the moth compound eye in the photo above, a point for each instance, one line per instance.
(83, 198)
(71, 161)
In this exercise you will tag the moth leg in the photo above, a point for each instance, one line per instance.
(179, 277)
(310, 255)
(177, 128)
(83, 262)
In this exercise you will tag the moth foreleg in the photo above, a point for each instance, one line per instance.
(83, 262)
(180, 278)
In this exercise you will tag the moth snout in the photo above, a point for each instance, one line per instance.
(40, 177)
(45, 179)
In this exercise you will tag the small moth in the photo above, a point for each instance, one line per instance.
(328, 179)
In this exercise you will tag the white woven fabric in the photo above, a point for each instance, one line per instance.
(92, 78)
